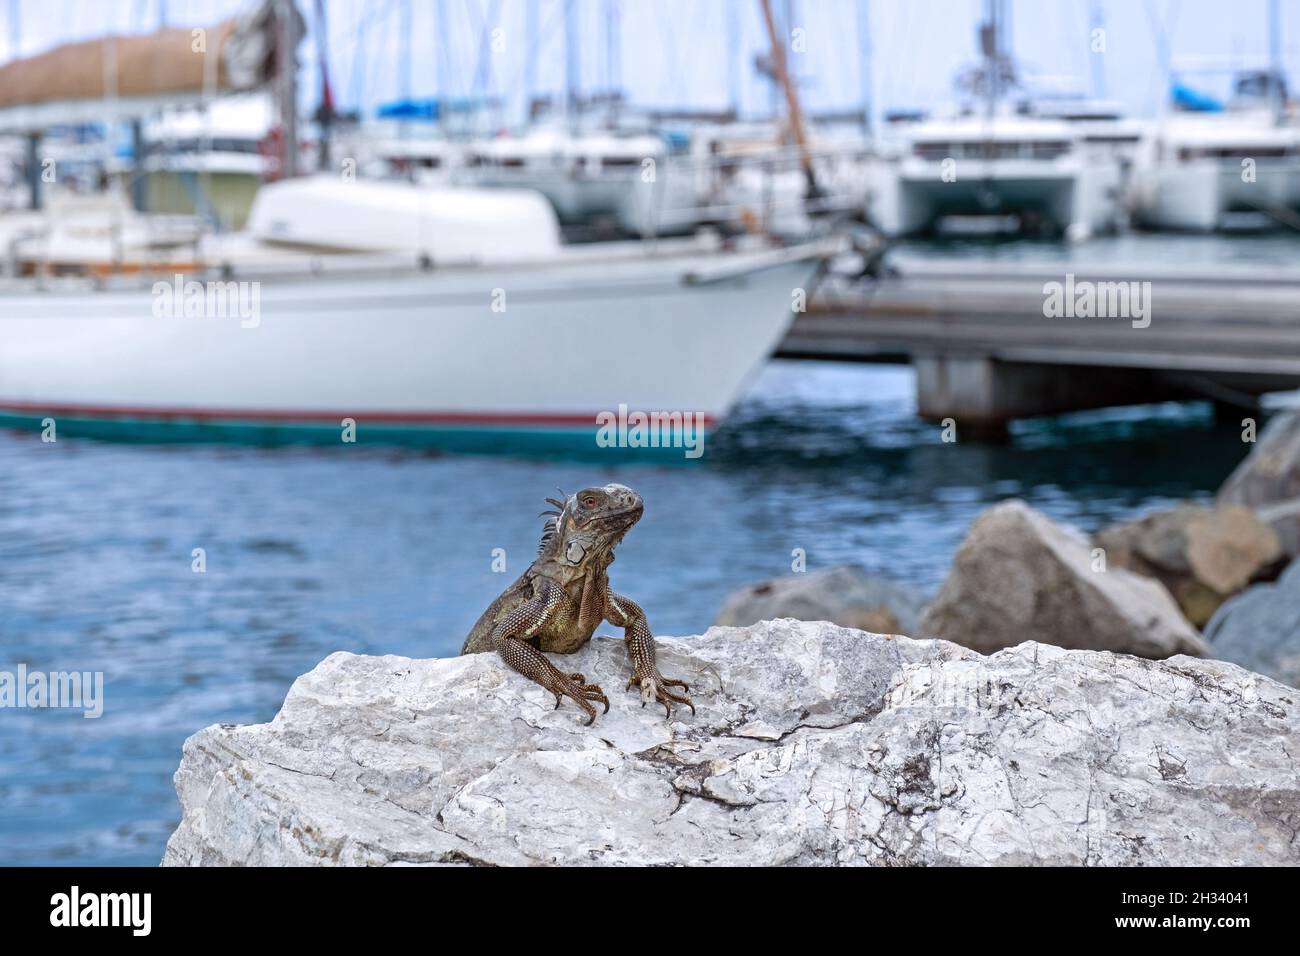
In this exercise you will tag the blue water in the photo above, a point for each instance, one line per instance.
(310, 551)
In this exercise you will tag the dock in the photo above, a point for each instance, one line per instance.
(993, 342)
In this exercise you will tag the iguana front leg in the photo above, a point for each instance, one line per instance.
(625, 613)
(510, 640)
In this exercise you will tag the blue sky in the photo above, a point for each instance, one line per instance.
(677, 52)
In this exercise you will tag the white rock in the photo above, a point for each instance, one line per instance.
(812, 744)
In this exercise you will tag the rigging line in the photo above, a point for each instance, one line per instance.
(451, 51)
(674, 65)
(1083, 29)
(537, 42)
(483, 73)
(376, 63)
(887, 91)
(1161, 38)
(916, 60)
(358, 34)
(475, 29)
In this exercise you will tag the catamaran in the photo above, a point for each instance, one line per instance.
(992, 161)
(1202, 163)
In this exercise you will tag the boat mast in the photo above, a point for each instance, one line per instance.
(326, 93)
(530, 56)
(404, 68)
(865, 63)
(1098, 22)
(791, 98)
(32, 159)
(571, 63)
(991, 45)
(286, 85)
(15, 30)
(1275, 58)
(404, 62)
(613, 64)
(443, 54)
(736, 72)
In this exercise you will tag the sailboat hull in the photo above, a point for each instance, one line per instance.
(477, 359)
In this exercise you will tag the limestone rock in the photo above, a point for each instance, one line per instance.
(813, 744)
(1271, 472)
(1019, 576)
(845, 595)
(1260, 628)
(1202, 555)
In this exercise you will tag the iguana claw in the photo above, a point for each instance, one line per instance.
(575, 686)
(654, 687)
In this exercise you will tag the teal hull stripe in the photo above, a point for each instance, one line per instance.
(508, 439)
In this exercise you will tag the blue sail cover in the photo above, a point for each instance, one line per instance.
(411, 109)
(1186, 98)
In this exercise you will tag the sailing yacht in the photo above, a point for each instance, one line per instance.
(383, 311)
(451, 318)
(1203, 162)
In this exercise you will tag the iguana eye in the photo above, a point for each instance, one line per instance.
(589, 502)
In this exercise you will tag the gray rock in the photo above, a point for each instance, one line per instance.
(845, 595)
(813, 744)
(1260, 628)
(1284, 518)
(1202, 555)
(1271, 472)
(1019, 576)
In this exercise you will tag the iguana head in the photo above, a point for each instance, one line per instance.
(589, 524)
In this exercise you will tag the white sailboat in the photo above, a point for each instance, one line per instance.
(446, 318)
(1195, 169)
(394, 312)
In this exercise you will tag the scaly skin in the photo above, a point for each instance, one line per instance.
(557, 604)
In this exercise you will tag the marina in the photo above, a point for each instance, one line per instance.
(306, 307)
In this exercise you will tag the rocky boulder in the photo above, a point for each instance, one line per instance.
(1260, 628)
(1284, 518)
(812, 744)
(1202, 555)
(845, 595)
(1019, 576)
(1271, 472)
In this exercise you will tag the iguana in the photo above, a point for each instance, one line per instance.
(557, 604)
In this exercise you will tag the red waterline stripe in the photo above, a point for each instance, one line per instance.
(265, 415)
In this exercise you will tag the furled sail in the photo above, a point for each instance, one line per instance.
(123, 75)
